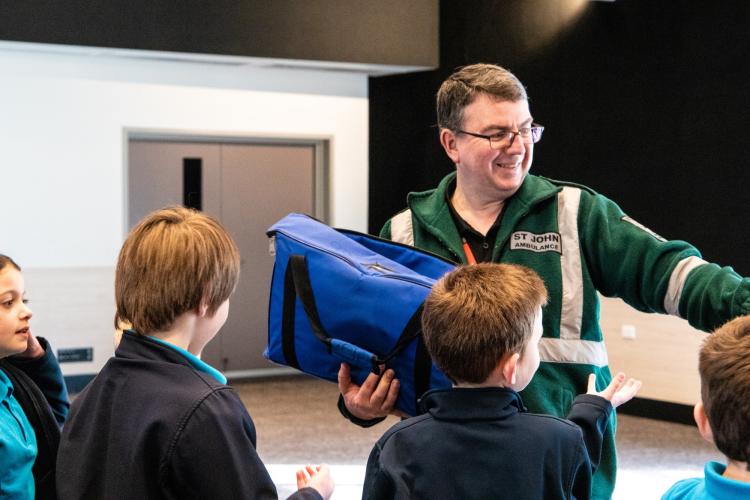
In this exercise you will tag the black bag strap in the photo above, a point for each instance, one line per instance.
(422, 359)
(422, 370)
(38, 412)
(412, 330)
(287, 320)
(303, 289)
(297, 284)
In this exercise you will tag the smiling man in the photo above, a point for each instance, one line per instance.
(492, 210)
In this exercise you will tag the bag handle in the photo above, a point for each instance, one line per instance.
(422, 371)
(303, 289)
(422, 359)
(288, 319)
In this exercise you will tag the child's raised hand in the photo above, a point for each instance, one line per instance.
(618, 391)
(318, 478)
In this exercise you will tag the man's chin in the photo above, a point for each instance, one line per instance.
(510, 180)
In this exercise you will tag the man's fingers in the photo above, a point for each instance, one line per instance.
(380, 392)
(390, 399)
(370, 385)
(375, 397)
(345, 378)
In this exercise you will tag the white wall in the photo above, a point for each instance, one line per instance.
(663, 354)
(62, 163)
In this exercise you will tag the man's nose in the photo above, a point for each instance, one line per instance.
(517, 145)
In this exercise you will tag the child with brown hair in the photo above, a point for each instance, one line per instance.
(723, 415)
(33, 397)
(157, 422)
(482, 325)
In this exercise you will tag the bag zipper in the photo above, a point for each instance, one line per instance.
(378, 267)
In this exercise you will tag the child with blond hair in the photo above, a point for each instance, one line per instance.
(157, 422)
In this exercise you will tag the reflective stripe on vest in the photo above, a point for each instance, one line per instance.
(571, 313)
(585, 352)
(401, 228)
(677, 283)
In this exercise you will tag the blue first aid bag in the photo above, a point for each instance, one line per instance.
(343, 296)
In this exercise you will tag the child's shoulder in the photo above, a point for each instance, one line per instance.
(549, 426)
(408, 426)
(686, 489)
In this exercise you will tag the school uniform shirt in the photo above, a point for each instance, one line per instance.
(157, 422)
(713, 486)
(581, 243)
(481, 443)
(17, 446)
(43, 390)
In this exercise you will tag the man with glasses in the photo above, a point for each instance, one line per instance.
(579, 242)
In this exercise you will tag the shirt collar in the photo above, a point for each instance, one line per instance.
(6, 386)
(194, 360)
(718, 486)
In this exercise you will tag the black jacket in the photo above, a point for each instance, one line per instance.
(152, 426)
(482, 444)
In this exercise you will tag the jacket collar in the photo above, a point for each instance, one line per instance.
(485, 403)
(136, 346)
(431, 209)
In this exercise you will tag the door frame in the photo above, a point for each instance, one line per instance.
(321, 147)
(320, 144)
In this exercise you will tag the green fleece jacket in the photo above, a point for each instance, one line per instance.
(580, 242)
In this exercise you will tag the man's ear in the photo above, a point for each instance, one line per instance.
(510, 367)
(448, 141)
(704, 427)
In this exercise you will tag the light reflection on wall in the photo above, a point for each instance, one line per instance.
(552, 21)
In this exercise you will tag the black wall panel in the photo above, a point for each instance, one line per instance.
(388, 32)
(646, 102)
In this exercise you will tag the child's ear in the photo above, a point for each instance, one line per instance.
(202, 309)
(704, 427)
(510, 367)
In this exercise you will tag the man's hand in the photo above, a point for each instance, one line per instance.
(318, 477)
(618, 391)
(374, 399)
(33, 350)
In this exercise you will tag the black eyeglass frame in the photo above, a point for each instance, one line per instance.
(535, 134)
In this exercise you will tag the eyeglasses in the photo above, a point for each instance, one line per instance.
(504, 138)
